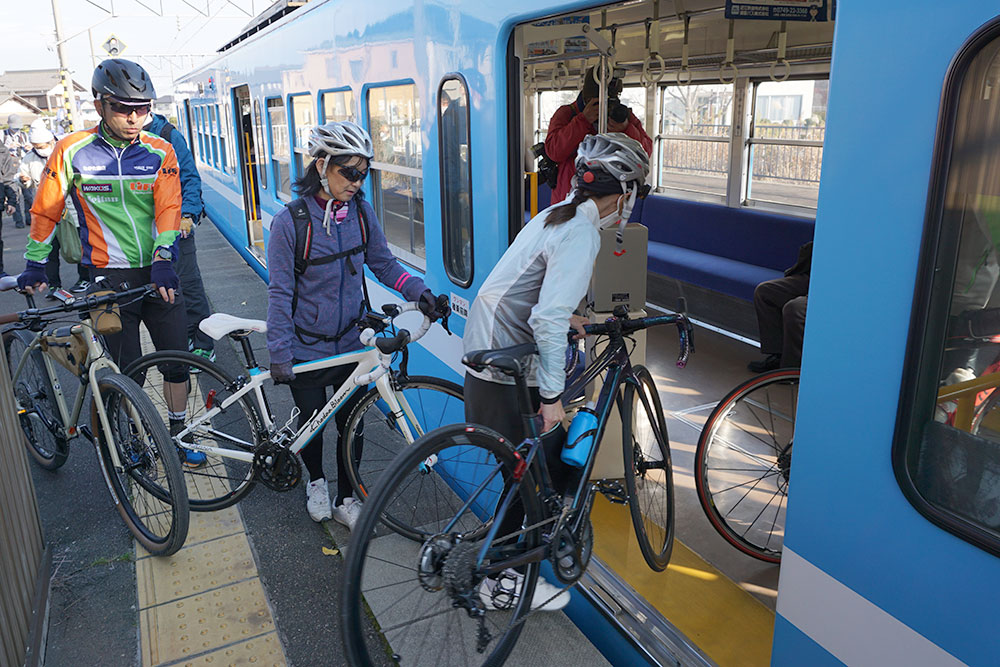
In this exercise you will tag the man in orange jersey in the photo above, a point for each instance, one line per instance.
(122, 186)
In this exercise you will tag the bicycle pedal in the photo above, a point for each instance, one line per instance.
(613, 491)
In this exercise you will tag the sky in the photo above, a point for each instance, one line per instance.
(189, 32)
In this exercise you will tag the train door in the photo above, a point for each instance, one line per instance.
(248, 170)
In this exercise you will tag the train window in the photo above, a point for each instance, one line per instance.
(456, 182)
(261, 146)
(397, 183)
(696, 123)
(277, 124)
(786, 141)
(338, 105)
(946, 452)
(213, 130)
(223, 130)
(197, 133)
(547, 104)
(303, 122)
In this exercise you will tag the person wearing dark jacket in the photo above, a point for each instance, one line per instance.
(781, 315)
(192, 208)
(572, 122)
(8, 195)
(328, 296)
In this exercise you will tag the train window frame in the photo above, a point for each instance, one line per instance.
(929, 321)
(213, 128)
(751, 140)
(263, 149)
(196, 109)
(299, 154)
(377, 168)
(447, 249)
(321, 104)
(277, 193)
(223, 161)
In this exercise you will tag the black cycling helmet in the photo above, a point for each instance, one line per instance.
(122, 79)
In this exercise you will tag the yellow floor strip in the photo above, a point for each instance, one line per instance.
(723, 620)
(205, 605)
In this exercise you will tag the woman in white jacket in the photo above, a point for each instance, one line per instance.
(530, 296)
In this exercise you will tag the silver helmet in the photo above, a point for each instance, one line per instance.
(340, 138)
(610, 163)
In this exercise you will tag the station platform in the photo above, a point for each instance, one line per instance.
(258, 583)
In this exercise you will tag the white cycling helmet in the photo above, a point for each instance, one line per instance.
(607, 163)
(340, 138)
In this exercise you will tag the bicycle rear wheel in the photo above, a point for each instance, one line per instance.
(374, 440)
(743, 463)
(221, 481)
(33, 393)
(147, 480)
(429, 599)
(648, 475)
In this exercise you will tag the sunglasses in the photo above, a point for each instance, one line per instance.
(126, 109)
(353, 174)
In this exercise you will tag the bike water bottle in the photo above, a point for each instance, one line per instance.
(581, 437)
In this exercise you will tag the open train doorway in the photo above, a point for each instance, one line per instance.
(248, 171)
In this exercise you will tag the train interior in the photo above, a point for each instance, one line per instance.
(736, 113)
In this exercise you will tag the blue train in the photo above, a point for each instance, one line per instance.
(877, 141)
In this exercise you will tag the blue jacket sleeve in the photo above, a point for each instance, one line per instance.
(281, 285)
(191, 206)
(385, 266)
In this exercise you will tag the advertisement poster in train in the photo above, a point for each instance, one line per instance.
(551, 47)
(781, 10)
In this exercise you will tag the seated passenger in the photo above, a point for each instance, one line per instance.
(781, 315)
(315, 314)
(529, 297)
(571, 123)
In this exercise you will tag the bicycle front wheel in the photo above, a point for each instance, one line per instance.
(373, 439)
(648, 474)
(432, 601)
(36, 411)
(743, 463)
(146, 479)
(220, 481)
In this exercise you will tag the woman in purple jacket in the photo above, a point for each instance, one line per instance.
(314, 314)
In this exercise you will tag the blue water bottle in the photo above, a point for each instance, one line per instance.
(581, 437)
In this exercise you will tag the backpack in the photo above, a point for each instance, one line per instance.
(303, 245)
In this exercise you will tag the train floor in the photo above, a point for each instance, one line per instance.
(276, 573)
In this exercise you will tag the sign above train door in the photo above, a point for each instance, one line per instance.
(781, 10)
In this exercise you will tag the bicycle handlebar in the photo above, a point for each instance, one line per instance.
(388, 346)
(78, 304)
(621, 325)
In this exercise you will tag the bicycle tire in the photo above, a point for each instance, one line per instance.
(150, 490)
(39, 418)
(435, 403)
(222, 481)
(648, 473)
(382, 568)
(743, 463)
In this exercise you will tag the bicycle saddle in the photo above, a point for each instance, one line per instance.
(509, 360)
(218, 325)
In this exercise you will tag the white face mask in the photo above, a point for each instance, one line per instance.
(612, 218)
(44, 152)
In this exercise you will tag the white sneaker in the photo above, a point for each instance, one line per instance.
(348, 513)
(502, 593)
(318, 500)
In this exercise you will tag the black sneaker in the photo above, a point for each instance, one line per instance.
(768, 363)
(80, 286)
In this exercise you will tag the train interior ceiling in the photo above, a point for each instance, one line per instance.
(736, 110)
(736, 113)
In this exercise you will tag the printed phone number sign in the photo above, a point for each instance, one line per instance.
(780, 10)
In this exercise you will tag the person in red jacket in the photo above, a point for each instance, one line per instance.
(572, 122)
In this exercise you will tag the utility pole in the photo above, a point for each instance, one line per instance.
(69, 95)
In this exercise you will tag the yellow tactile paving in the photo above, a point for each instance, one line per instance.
(205, 604)
(692, 594)
(260, 652)
(194, 569)
(199, 624)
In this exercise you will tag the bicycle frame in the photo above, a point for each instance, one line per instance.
(367, 361)
(964, 394)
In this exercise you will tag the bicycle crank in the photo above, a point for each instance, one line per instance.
(276, 467)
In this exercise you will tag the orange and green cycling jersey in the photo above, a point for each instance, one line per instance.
(124, 197)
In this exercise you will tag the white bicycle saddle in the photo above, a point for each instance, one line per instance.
(218, 325)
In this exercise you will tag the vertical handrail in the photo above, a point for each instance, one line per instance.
(24, 562)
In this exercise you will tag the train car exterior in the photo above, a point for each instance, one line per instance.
(873, 572)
